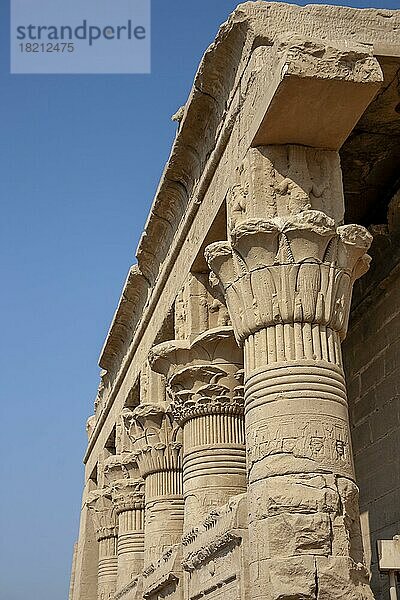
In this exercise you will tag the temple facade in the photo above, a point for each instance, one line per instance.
(246, 430)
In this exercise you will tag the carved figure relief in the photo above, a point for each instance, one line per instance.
(325, 439)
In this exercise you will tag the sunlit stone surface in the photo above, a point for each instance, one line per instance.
(239, 451)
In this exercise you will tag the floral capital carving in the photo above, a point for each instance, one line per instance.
(287, 270)
(204, 377)
(156, 439)
(127, 495)
(104, 517)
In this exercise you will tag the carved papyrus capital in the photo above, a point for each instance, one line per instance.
(206, 390)
(127, 495)
(204, 377)
(298, 269)
(104, 517)
(156, 439)
(120, 466)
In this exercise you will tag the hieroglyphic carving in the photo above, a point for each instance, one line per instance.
(325, 440)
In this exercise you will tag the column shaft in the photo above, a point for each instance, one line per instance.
(214, 463)
(164, 513)
(107, 571)
(130, 545)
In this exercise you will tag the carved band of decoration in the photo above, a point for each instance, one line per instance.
(294, 270)
(310, 379)
(198, 559)
(298, 411)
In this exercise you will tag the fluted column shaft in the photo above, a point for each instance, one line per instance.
(288, 286)
(164, 512)
(108, 564)
(130, 545)
(214, 462)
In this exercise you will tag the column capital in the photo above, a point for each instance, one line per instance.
(120, 466)
(294, 269)
(104, 517)
(156, 439)
(127, 495)
(204, 376)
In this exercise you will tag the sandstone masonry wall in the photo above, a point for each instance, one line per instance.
(372, 362)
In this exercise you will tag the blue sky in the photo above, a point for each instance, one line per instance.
(80, 159)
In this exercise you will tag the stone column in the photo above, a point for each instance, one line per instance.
(99, 502)
(288, 281)
(128, 500)
(121, 475)
(205, 380)
(157, 444)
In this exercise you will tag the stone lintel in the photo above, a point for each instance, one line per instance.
(317, 94)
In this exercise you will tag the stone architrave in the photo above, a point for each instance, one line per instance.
(288, 282)
(104, 517)
(157, 445)
(205, 381)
